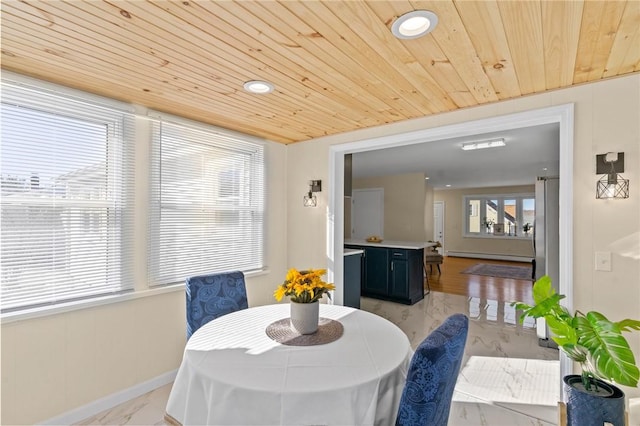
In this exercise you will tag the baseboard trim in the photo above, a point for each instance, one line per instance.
(110, 401)
(490, 256)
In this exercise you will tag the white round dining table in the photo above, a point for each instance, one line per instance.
(233, 373)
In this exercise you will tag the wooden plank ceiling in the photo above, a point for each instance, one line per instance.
(335, 64)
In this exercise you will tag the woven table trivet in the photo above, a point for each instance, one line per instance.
(282, 332)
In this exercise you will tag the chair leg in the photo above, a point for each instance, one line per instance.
(438, 265)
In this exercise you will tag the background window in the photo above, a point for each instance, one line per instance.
(475, 221)
(528, 214)
(512, 211)
(510, 215)
(490, 217)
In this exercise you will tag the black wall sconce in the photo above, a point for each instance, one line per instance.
(612, 184)
(310, 199)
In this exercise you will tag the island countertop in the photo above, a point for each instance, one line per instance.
(410, 245)
(349, 252)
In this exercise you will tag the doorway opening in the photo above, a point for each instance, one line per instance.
(563, 115)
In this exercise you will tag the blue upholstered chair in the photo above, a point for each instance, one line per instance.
(426, 398)
(211, 296)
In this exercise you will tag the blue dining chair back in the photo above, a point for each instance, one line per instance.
(432, 375)
(211, 296)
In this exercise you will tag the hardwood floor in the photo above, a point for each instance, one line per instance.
(491, 288)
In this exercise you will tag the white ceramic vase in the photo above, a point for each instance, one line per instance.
(305, 316)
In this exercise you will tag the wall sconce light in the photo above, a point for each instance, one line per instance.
(310, 200)
(612, 184)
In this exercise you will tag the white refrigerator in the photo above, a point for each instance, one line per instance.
(546, 237)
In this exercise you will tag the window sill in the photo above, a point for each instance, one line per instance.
(43, 311)
(499, 237)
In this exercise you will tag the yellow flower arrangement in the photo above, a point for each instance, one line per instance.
(304, 286)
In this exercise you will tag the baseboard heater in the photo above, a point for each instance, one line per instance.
(489, 256)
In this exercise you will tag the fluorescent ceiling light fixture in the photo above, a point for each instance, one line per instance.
(493, 143)
(258, 86)
(414, 24)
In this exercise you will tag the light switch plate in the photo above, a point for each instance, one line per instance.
(603, 261)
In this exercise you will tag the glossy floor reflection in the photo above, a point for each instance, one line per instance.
(506, 378)
(493, 329)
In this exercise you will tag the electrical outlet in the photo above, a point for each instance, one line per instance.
(603, 261)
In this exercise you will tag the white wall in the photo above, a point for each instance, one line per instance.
(429, 199)
(606, 119)
(57, 363)
(404, 204)
(308, 228)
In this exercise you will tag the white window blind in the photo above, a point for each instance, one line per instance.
(65, 198)
(207, 203)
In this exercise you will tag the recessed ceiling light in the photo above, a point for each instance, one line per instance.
(448, 186)
(494, 143)
(258, 86)
(426, 178)
(414, 24)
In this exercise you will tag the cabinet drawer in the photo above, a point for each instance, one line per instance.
(397, 254)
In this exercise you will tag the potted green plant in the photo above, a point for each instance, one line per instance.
(598, 345)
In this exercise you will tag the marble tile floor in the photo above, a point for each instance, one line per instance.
(506, 379)
(147, 409)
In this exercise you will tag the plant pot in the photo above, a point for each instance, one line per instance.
(588, 408)
(305, 316)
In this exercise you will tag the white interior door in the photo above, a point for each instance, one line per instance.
(438, 223)
(367, 213)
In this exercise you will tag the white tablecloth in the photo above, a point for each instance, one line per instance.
(232, 373)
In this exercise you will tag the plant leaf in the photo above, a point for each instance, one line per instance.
(548, 306)
(547, 302)
(609, 350)
(546, 298)
(564, 334)
(542, 289)
(628, 324)
(576, 352)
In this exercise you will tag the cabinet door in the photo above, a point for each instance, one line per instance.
(399, 286)
(415, 276)
(376, 278)
(352, 280)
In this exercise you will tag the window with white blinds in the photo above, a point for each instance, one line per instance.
(66, 174)
(207, 208)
